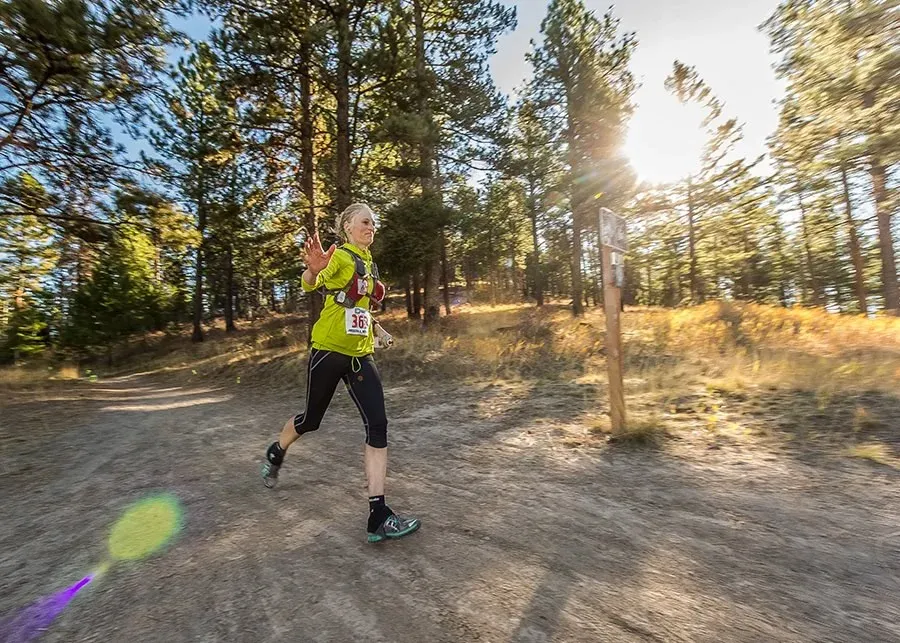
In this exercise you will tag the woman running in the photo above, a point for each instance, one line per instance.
(343, 342)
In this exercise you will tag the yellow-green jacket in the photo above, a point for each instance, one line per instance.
(330, 331)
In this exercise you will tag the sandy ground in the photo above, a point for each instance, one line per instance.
(524, 537)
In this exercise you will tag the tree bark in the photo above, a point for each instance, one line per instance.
(692, 246)
(885, 239)
(432, 292)
(445, 272)
(307, 169)
(445, 268)
(577, 288)
(197, 334)
(493, 268)
(417, 297)
(229, 290)
(855, 251)
(818, 299)
(342, 92)
(409, 299)
(536, 260)
(430, 191)
(577, 198)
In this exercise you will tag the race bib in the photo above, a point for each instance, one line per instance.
(356, 321)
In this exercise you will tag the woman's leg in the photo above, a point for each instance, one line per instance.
(376, 469)
(364, 385)
(324, 371)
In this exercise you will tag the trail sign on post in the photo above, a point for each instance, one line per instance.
(612, 230)
(613, 245)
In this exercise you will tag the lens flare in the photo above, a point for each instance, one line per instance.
(33, 620)
(145, 527)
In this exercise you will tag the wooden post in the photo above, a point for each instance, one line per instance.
(612, 247)
(615, 364)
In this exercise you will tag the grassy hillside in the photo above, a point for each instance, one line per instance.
(723, 371)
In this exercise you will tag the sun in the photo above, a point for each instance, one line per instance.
(665, 139)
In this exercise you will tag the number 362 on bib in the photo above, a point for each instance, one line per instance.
(356, 321)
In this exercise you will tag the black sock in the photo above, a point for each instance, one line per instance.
(275, 454)
(378, 511)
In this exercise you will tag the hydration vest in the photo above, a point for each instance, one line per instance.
(357, 287)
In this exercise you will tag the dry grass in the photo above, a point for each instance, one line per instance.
(643, 431)
(724, 347)
(749, 344)
(800, 371)
(872, 451)
(36, 375)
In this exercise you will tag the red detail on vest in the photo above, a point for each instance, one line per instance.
(378, 292)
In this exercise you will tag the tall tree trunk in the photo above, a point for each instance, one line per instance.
(778, 237)
(417, 297)
(492, 274)
(885, 239)
(577, 197)
(307, 169)
(818, 299)
(679, 282)
(512, 272)
(692, 245)
(409, 300)
(229, 290)
(257, 292)
(577, 289)
(432, 292)
(197, 335)
(445, 267)
(536, 254)
(445, 272)
(742, 284)
(859, 277)
(430, 191)
(342, 92)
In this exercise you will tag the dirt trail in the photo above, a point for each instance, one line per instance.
(523, 539)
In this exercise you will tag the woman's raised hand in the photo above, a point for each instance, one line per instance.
(316, 257)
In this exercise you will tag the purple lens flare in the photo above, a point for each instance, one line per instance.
(33, 620)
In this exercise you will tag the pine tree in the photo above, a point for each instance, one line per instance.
(584, 87)
(67, 66)
(449, 119)
(839, 60)
(721, 201)
(27, 256)
(536, 163)
(193, 143)
(122, 296)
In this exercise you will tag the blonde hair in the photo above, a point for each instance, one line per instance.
(346, 217)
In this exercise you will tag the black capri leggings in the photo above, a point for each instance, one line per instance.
(363, 382)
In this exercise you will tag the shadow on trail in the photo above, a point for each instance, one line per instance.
(808, 420)
(747, 556)
(523, 539)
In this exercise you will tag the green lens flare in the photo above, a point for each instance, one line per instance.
(145, 527)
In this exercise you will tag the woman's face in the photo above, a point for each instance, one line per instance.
(361, 229)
